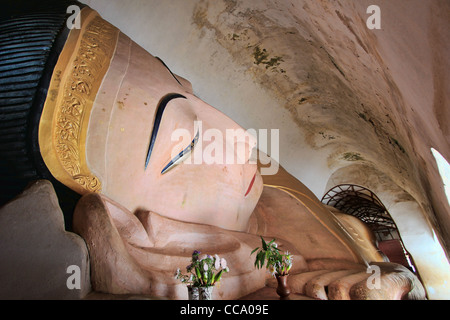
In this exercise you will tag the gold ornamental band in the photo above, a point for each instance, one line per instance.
(75, 81)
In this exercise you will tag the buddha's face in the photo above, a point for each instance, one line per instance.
(133, 148)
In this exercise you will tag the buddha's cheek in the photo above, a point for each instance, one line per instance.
(210, 198)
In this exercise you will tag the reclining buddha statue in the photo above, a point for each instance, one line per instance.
(101, 130)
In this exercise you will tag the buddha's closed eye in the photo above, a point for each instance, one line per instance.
(159, 112)
(182, 155)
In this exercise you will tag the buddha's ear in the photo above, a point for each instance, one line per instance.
(187, 85)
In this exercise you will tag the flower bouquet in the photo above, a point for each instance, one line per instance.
(203, 274)
(278, 264)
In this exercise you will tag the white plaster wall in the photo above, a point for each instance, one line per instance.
(424, 247)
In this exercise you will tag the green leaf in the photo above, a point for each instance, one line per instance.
(210, 277)
(260, 257)
(198, 273)
(264, 244)
(254, 250)
(217, 277)
(258, 260)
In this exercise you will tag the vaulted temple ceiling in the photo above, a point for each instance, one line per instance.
(352, 104)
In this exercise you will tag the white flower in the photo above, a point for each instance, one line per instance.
(203, 257)
(217, 262)
(223, 263)
(205, 266)
(272, 270)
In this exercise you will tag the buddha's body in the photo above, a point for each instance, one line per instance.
(141, 223)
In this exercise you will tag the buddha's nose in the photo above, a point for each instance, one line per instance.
(244, 143)
(238, 143)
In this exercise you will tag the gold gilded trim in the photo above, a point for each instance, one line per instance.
(349, 245)
(75, 82)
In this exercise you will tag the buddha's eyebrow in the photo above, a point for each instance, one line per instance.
(159, 112)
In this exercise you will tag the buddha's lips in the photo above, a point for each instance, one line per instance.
(251, 185)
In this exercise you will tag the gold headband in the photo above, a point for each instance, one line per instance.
(75, 81)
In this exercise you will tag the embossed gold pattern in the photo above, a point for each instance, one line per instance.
(75, 81)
